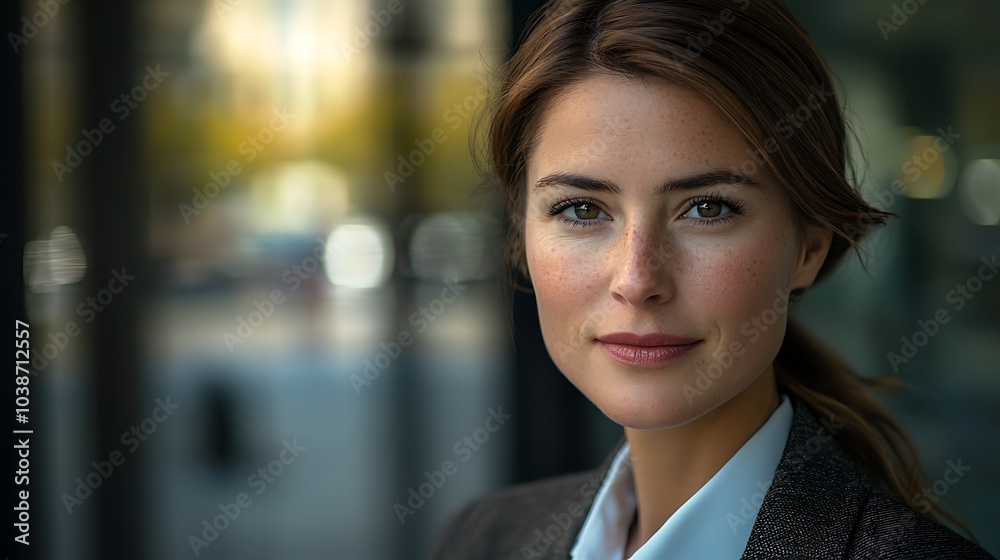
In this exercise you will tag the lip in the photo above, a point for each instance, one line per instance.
(652, 339)
(648, 351)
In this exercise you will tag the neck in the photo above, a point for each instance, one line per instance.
(671, 464)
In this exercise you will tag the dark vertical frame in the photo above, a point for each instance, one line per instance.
(113, 206)
(406, 45)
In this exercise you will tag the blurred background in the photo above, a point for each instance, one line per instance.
(264, 291)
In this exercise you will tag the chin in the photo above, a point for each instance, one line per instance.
(652, 408)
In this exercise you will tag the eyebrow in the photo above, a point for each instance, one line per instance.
(700, 180)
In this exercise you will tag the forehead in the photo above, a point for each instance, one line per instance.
(610, 124)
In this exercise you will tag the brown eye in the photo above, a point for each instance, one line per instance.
(586, 211)
(579, 213)
(709, 209)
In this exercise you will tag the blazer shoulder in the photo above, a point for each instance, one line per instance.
(822, 504)
(519, 521)
(888, 528)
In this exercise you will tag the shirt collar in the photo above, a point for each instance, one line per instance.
(714, 523)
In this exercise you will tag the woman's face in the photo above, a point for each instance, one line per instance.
(661, 270)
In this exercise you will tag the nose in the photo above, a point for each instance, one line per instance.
(644, 267)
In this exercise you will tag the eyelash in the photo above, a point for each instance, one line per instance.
(735, 207)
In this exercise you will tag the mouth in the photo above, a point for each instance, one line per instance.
(649, 351)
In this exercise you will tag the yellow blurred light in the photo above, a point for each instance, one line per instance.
(980, 191)
(298, 196)
(929, 168)
(284, 54)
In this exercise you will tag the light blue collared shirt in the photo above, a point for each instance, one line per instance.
(714, 523)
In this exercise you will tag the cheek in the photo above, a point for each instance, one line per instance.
(567, 281)
(739, 283)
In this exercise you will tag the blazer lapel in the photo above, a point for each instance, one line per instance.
(815, 497)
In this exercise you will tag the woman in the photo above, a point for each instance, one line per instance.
(675, 172)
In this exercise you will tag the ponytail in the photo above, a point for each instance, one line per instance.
(811, 371)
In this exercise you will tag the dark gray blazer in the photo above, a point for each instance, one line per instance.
(820, 505)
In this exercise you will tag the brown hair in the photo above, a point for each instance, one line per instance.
(755, 63)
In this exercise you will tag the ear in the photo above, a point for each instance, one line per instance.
(813, 248)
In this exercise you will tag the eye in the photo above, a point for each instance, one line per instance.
(708, 209)
(712, 209)
(579, 212)
(584, 211)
